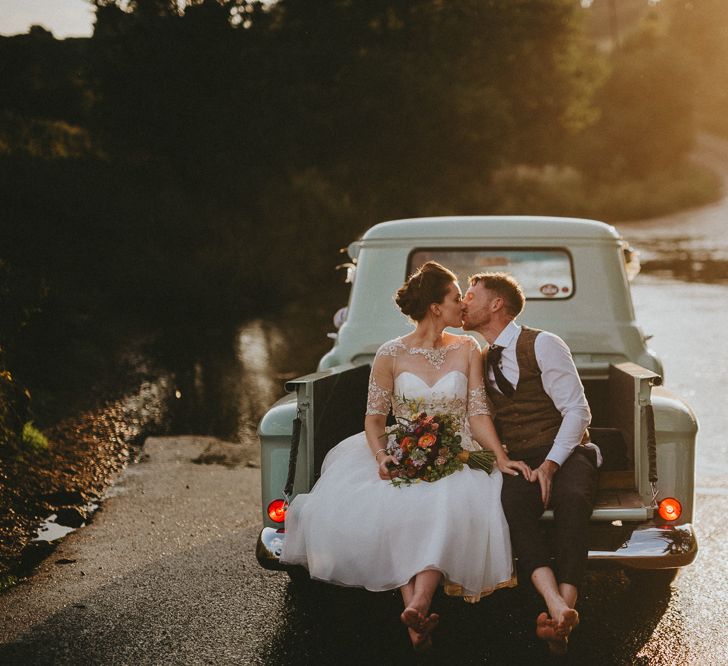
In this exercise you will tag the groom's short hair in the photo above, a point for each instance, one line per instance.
(505, 286)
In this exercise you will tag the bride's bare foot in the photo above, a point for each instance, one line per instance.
(420, 642)
(547, 630)
(412, 618)
(421, 639)
(430, 623)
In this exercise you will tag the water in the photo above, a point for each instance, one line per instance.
(222, 384)
(202, 378)
(50, 530)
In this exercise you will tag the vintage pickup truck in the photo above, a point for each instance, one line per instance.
(575, 274)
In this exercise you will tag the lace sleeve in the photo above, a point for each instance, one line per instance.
(478, 402)
(379, 399)
(381, 383)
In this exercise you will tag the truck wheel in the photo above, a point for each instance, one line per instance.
(651, 578)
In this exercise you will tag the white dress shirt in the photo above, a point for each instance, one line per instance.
(560, 382)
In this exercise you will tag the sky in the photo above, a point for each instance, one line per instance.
(64, 18)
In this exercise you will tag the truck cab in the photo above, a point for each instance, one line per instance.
(575, 274)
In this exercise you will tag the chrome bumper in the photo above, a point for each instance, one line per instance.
(661, 547)
(269, 547)
(664, 547)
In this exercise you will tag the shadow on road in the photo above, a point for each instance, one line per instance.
(214, 604)
(327, 625)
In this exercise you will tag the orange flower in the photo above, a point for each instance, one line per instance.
(426, 441)
(408, 443)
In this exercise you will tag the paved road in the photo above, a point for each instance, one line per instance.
(165, 574)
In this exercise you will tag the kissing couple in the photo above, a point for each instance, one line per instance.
(519, 398)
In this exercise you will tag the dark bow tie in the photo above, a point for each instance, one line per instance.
(493, 361)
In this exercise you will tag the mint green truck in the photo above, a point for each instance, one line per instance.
(576, 275)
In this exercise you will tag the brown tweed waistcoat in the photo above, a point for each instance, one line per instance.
(528, 419)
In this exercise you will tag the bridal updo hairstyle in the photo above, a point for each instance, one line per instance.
(428, 284)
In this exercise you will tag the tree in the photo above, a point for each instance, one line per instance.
(699, 33)
(646, 107)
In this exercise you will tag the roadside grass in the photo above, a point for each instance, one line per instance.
(33, 439)
(565, 191)
(7, 581)
(83, 455)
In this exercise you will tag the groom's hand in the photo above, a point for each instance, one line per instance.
(544, 474)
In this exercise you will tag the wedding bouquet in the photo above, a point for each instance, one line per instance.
(427, 448)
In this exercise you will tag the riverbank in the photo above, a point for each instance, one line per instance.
(67, 479)
(200, 379)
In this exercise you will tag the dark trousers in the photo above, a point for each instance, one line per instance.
(572, 500)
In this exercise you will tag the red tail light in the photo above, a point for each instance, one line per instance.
(669, 509)
(277, 510)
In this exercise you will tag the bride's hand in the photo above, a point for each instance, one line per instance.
(514, 467)
(384, 472)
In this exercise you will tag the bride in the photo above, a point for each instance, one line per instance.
(413, 538)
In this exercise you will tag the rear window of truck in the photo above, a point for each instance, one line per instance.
(544, 274)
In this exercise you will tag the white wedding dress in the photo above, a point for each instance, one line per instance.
(355, 529)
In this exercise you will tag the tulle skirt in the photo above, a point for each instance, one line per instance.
(354, 529)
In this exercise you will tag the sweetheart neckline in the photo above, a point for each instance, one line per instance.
(407, 372)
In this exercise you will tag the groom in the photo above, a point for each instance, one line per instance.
(541, 415)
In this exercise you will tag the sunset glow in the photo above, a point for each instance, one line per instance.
(64, 18)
